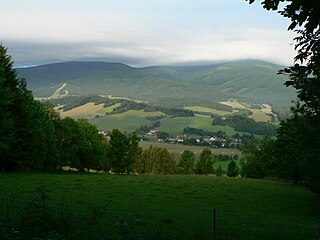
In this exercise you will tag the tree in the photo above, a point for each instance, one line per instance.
(71, 142)
(232, 169)
(93, 153)
(8, 89)
(155, 161)
(204, 165)
(187, 161)
(123, 152)
(304, 77)
(218, 171)
(258, 159)
(27, 138)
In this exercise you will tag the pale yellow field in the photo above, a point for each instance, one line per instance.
(209, 110)
(259, 115)
(130, 99)
(109, 109)
(88, 111)
(235, 105)
(135, 113)
(267, 109)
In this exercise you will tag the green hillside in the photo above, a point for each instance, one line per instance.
(105, 206)
(248, 80)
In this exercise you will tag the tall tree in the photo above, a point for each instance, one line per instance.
(71, 142)
(204, 165)
(187, 161)
(27, 138)
(304, 77)
(123, 152)
(8, 88)
(93, 152)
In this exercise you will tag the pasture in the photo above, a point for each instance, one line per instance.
(102, 206)
(175, 126)
(210, 110)
(127, 121)
(177, 149)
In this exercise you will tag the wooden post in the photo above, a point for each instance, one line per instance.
(214, 224)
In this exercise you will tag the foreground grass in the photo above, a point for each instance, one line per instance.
(167, 207)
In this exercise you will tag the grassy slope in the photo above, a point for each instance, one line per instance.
(175, 126)
(176, 207)
(127, 121)
(209, 110)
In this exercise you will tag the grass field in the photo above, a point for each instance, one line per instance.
(210, 110)
(177, 149)
(175, 126)
(127, 121)
(159, 207)
(108, 109)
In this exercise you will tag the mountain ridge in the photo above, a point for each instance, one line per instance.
(248, 80)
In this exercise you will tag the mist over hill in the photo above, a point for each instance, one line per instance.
(247, 80)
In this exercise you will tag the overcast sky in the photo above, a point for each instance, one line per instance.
(143, 32)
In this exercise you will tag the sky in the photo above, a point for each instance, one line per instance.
(143, 32)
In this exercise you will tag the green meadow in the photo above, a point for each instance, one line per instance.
(104, 206)
(176, 125)
(127, 121)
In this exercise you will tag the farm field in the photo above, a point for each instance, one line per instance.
(176, 125)
(177, 149)
(127, 121)
(101, 206)
(88, 111)
(209, 110)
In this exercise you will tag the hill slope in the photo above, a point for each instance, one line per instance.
(248, 80)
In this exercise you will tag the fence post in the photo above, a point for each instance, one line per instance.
(214, 223)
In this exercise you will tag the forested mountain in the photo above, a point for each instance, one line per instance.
(248, 80)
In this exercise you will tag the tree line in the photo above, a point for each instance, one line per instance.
(245, 124)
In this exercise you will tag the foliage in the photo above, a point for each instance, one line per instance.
(201, 132)
(94, 154)
(27, 138)
(187, 160)
(258, 159)
(124, 151)
(245, 124)
(300, 160)
(298, 150)
(156, 161)
(232, 169)
(204, 165)
(218, 171)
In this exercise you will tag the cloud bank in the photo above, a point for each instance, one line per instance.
(43, 35)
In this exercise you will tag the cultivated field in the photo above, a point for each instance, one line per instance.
(176, 125)
(100, 206)
(127, 121)
(88, 111)
(209, 110)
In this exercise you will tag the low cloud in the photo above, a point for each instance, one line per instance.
(137, 41)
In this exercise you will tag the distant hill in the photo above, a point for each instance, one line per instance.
(247, 80)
